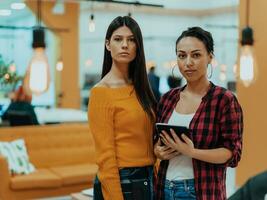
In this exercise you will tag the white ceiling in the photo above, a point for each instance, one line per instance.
(175, 6)
(191, 4)
(5, 4)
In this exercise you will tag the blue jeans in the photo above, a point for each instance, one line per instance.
(130, 178)
(180, 190)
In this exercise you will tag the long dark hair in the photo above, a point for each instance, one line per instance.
(137, 68)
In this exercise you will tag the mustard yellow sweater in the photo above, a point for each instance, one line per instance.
(123, 135)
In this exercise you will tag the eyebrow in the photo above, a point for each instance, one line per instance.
(191, 52)
(123, 36)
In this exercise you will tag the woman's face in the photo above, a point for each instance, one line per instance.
(122, 45)
(192, 59)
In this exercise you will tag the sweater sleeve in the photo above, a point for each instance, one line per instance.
(101, 117)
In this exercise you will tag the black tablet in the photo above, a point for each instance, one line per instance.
(179, 130)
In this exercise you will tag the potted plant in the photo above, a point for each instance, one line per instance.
(8, 76)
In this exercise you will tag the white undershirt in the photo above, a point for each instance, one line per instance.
(180, 167)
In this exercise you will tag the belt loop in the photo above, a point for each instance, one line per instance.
(171, 185)
(185, 185)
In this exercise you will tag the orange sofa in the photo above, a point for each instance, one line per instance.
(64, 158)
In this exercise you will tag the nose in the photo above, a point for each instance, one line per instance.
(124, 43)
(188, 61)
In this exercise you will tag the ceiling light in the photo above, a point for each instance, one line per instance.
(5, 12)
(18, 6)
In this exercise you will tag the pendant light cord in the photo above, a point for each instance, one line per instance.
(247, 12)
(39, 12)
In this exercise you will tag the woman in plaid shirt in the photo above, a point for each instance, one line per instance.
(195, 167)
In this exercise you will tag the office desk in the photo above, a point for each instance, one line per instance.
(60, 115)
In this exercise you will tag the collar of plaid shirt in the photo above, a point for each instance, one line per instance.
(218, 122)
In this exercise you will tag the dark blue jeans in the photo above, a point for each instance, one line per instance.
(180, 190)
(136, 183)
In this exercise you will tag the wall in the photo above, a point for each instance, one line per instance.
(253, 98)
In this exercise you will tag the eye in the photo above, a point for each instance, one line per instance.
(181, 56)
(117, 39)
(131, 39)
(196, 55)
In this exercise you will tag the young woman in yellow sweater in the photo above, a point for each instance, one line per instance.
(121, 117)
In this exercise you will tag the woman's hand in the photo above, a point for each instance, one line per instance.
(164, 152)
(186, 147)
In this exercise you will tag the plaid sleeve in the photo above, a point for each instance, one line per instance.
(231, 124)
(159, 113)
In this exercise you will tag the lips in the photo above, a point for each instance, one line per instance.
(189, 72)
(124, 53)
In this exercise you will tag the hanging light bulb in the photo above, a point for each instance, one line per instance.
(214, 62)
(91, 23)
(247, 63)
(59, 65)
(7, 76)
(235, 69)
(37, 77)
(222, 76)
(223, 70)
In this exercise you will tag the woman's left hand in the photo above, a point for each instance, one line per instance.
(176, 143)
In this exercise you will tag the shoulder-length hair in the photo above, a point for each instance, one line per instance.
(137, 68)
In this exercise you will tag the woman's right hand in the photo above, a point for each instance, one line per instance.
(164, 152)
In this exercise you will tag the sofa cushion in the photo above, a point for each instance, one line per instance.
(75, 174)
(17, 157)
(41, 178)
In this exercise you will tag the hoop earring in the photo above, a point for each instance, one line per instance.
(211, 70)
(173, 68)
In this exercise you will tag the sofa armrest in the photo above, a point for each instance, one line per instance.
(5, 178)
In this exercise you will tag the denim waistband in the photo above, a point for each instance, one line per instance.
(180, 183)
(129, 173)
(136, 172)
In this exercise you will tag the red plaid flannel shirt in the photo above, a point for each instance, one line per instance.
(218, 122)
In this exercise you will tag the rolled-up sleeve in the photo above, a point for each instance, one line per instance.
(231, 125)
